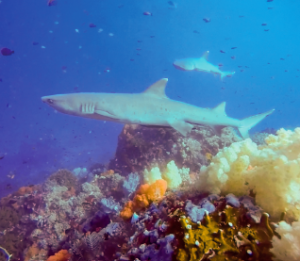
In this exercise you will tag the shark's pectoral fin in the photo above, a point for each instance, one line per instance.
(106, 114)
(181, 126)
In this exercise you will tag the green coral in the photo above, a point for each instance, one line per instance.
(225, 235)
(64, 177)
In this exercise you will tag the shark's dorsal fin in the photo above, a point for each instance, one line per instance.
(220, 109)
(158, 89)
(205, 55)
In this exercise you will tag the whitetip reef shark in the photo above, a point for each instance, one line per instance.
(149, 108)
(201, 64)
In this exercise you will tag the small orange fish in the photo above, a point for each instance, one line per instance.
(250, 168)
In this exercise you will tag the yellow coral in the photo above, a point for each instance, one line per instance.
(272, 172)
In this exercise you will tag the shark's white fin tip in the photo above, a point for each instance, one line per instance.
(205, 55)
(158, 89)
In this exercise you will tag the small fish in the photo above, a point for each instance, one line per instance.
(138, 49)
(233, 48)
(285, 70)
(221, 51)
(2, 157)
(220, 65)
(266, 30)
(171, 3)
(232, 57)
(35, 43)
(1, 80)
(269, 0)
(196, 32)
(282, 59)
(147, 13)
(6, 52)
(263, 24)
(92, 25)
(206, 20)
(51, 2)
(241, 16)
(270, 8)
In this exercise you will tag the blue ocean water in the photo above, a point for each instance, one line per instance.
(57, 51)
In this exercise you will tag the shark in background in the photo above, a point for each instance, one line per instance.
(150, 108)
(202, 65)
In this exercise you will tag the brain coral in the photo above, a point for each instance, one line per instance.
(272, 172)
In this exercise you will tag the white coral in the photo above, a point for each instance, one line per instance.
(288, 247)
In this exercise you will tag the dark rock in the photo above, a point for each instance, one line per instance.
(140, 147)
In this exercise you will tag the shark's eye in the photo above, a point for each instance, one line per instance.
(50, 101)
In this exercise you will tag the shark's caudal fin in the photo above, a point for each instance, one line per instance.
(250, 122)
(226, 74)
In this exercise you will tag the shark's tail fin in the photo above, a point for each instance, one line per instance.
(226, 74)
(250, 122)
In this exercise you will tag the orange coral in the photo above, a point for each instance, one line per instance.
(143, 189)
(32, 252)
(140, 201)
(126, 213)
(25, 190)
(157, 190)
(62, 255)
(144, 194)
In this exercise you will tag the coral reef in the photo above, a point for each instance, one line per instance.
(64, 177)
(180, 213)
(140, 147)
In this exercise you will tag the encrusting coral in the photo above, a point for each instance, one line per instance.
(271, 172)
